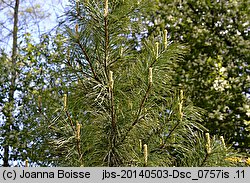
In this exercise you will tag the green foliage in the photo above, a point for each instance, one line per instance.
(23, 76)
(216, 71)
(92, 95)
(38, 78)
(121, 96)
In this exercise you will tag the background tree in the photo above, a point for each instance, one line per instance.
(9, 105)
(215, 73)
(33, 19)
(22, 75)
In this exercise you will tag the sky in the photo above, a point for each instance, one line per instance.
(29, 20)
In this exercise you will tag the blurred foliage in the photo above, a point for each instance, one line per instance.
(37, 78)
(22, 79)
(215, 73)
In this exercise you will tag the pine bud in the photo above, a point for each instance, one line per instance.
(121, 51)
(181, 95)
(106, 8)
(111, 81)
(181, 104)
(145, 152)
(161, 141)
(223, 141)
(208, 144)
(76, 28)
(165, 39)
(26, 163)
(150, 75)
(78, 131)
(140, 144)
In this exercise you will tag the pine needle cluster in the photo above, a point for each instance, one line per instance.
(122, 107)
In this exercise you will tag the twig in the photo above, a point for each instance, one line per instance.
(106, 36)
(78, 142)
(71, 122)
(139, 111)
(88, 60)
(111, 83)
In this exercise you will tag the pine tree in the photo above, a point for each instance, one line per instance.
(121, 107)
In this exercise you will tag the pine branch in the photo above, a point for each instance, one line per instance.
(111, 84)
(106, 37)
(89, 61)
(70, 120)
(78, 142)
(84, 73)
(204, 160)
(172, 130)
(140, 109)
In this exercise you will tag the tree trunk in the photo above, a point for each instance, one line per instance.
(9, 118)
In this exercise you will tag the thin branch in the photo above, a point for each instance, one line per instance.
(88, 60)
(81, 70)
(70, 120)
(5, 27)
(78, 142)
(8, 4)
(172, 130)
(204, 160)
(113, 120)
(152, 64)
(139, 112)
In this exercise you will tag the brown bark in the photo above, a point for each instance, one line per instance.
(9, 117)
